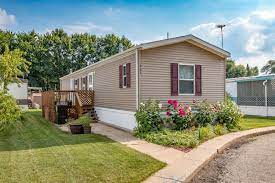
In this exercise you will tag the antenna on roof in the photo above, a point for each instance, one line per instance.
(221, 26)
(167, 35)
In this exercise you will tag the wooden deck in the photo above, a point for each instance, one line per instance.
(80, 102)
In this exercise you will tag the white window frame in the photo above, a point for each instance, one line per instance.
(190, 94)
(90, 86)
(124, 76)
(72, 84)
(76, 86)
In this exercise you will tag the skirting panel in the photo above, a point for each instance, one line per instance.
(118, 118)
(257, 110)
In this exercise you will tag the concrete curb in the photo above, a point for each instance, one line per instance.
(183, 169)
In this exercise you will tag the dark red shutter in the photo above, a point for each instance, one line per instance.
(120, 76)
(198, 80)
(174, 79)
(128, 75)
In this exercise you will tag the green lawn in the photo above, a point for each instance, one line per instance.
(38, 152)
(250, 122)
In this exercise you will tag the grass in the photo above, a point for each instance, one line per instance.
(191, 138)
(38, 152)
(250, 122)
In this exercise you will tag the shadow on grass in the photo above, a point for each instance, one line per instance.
(36, 132)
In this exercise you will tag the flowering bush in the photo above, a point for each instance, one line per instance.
(148, 117)
(205, 113)
(228, 113)
(178, 116)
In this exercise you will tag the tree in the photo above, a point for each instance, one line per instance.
(233, 70)
(54, 54)
(12, 66)
(269, 68)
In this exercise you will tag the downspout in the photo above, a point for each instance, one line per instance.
(265, 96)
(137, 78)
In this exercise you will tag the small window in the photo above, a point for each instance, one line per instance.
(91, 81)
(186, 79)
(124, 76)
(76, 84)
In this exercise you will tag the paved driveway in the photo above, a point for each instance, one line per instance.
(251, 161)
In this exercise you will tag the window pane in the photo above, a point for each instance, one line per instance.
(124, 70)
(186, 72)
(124, 81)
(90, 80)
(186, 87)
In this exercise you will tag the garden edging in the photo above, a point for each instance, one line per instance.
(185, 168)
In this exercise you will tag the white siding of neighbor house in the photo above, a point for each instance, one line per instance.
(19, 92)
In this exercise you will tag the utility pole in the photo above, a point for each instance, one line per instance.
(221, 26)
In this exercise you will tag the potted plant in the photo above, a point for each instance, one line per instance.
(81, 125)
(86, 123)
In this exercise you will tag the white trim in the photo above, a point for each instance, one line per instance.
(119, 118)
(137, 79)
(91, 86)
(186, 38)
(194, 74)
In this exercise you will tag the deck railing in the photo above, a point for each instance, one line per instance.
(75, 99)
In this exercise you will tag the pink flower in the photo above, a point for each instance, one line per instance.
(182, 112)
(170, 101)
(168, 113)
(175, 104)
(188, 108)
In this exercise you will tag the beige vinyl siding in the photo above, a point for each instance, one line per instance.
(155, 79)
(106, 84)
(107, 91)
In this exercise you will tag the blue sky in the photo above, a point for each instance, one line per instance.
(249, 35)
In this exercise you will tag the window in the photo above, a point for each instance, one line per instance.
(124, 76)
(186, 79)
(76, 84)
(91, 81)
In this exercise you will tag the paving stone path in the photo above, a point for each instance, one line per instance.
(252, 160)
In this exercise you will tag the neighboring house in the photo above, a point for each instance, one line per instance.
(35, 97)
(183, 68)
(254, 95)
(20, 93)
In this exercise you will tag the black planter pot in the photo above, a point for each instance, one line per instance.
(76, 129)
(87, 129)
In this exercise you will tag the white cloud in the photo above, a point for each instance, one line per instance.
(86, 27)
(156, 38)
(111, 11)
(255, 43)
(6, 19)
(250, 39)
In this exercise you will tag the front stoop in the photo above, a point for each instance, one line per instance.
(181, 167)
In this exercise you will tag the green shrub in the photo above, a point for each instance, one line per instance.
(82, 120)
(148, 117)
(220, 129)
(205, 113)
(10, 113)
(228, 113)
(205, 133)
(172, 138)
